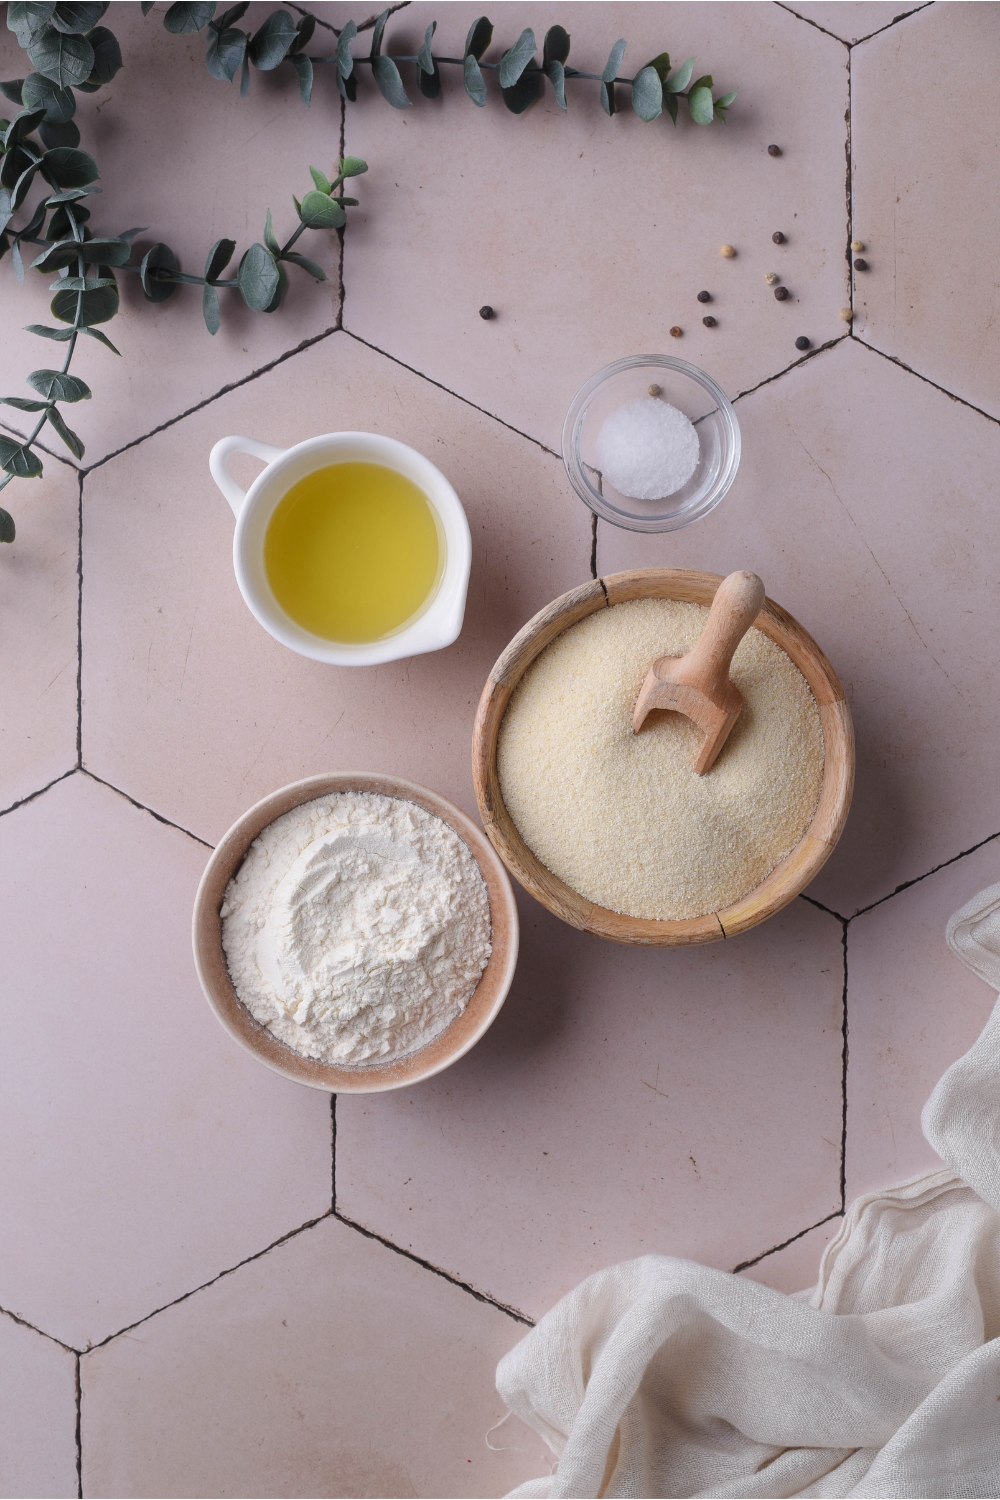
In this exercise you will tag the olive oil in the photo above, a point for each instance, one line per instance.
(353, 551)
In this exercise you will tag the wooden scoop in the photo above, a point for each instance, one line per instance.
(697, 685)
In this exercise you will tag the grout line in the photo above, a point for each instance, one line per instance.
(341, 290)
(927, 874)
(828, 909)
(894, 360)
(283, 1240)
(810, 354)
(79, 1430)
(448, 392)
(843, 1082)
(23, 1322)
(593, 547)
(224, 390)
(465, 1286)
(851, 45)
(333, 1153)
(79, 629)
(782, 6)
(745, 1265)
(903, 16)
(30, 798)
(848, 152)
(143, 808)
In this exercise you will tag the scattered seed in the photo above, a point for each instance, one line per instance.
(676, 332)
(857, 245)
(774, 150)
(709, 322)
(778, 237)
(860, 265)
(847, 313)
(781, 293)
(727, 251)
(704, 296)
(802, 343)
(654, 389)
(486, 312)
(772, 278)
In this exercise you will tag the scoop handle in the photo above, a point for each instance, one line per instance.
(736, 605)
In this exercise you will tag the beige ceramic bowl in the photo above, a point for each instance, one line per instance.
(785, 881)
(466, 1029)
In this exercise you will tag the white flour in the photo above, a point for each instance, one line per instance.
(357, 927)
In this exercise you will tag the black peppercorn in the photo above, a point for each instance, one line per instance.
(675, 332)
(709, 322)
(486, 312)
(704, 296)
(774, 150)
(778, 237)
(781, 292)
(860, 265)
(802, 343)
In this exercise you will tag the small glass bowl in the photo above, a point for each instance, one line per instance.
(692, 392)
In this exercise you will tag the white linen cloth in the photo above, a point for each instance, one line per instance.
(660, 1377)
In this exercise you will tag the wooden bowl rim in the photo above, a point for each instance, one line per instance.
(787, 880)
(452, 1043)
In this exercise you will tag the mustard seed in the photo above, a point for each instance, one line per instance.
(727, 251)
(778, 237)
(860, 265)
(774, 150)
(709, 322)
(704, 296)
(802, 343)
(654, 389)
(772, 279)
(847, 313)
(676, 332)
(857, 245)
(486, 312)
(781, 293)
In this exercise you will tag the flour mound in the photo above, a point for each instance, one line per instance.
(357, 928)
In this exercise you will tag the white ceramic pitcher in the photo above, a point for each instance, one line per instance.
(440, 620)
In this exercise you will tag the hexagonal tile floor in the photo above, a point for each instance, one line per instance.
(212, 1281)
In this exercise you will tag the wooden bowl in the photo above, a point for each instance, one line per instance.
(785, 881)
(457, 1038)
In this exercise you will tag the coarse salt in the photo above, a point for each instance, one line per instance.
(622, 818)
(647, 449)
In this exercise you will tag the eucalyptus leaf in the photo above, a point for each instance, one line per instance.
(41, 93)
(6, 209)
(13, 166)
(303, 32)
(106, 252)
(184, 17)
(23, 404)
(58, 335)
(377, 31)
(475, 83)
(60, 227)
(69, 437)
(146, 6)
(95, 307)
(678, 82)
(230, 16)
(320, 211)
(306, 264)
(555, 47)
(26, 21)
(22, 125)
(304, 68)
(71, 195)
(269, 236)
(66, 167)
(154, 274)
(271, 43)
(66, 134)
(67, 59)
(516, 58)
(701, 106)
(18, 459)
(210, 308)
(16, 261)
(323, 183)
(62, 253)
(78, 283)
(705, 82)
(126, 234)
(107, 55)
(614, 62)
(608, 98)
(725, 100)
(429, 84)
(351, 166)
(557, 76)
(102, 338)
(77, 18)
(345, 62)
(11, 89)
(479, 38)
(279, 292)
(22, 185)
(7, 528)
(258, 275)
(245, 77)
(647, 94)
(425, 59)
(521, 95)
(390, 83)
(219, 257)
(226, 51)
(55, 385)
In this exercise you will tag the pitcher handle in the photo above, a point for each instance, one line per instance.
(220, 471)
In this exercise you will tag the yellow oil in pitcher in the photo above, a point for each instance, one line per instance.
(353, 551)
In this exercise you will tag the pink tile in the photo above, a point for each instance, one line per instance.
(191, 707)
(37, 1414)
(38, 626)
(923, 198)
(795, 1268)
(145, 1152)
(226, 160)
(913, 1008)
(866, 500)
(591, 236)
(852, 20)
(331, 1366)
(626, 1101)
